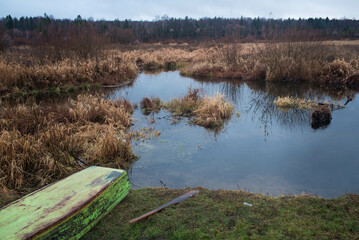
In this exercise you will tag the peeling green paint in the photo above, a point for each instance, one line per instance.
(66, 209)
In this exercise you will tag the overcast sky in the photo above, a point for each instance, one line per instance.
(148, 10)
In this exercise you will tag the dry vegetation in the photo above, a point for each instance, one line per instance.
(186, 105)
(212, 112)
(56, 140)
(209, 112)
(291, 102)
(29, 69)
(287, 61)
(40, 143)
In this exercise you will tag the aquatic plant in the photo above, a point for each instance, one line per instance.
(150, 105)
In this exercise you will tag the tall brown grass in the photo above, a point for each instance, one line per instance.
(29, 68)
(41, 143)
(25, 72)
(279, 61)
(292, 61)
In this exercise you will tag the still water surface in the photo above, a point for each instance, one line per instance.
(264, 150)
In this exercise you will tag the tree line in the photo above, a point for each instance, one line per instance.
(46, 29)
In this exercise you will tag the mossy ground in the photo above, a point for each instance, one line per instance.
(221, 214)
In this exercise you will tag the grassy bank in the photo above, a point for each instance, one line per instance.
(221, 214)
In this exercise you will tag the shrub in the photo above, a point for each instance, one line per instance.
(336, 71)
(292, 61)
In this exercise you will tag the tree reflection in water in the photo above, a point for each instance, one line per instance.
(261, 105)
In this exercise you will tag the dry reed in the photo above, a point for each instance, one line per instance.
(209, 112)
(213, 111)
(57, 140)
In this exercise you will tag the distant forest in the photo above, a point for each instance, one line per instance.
(47, 30)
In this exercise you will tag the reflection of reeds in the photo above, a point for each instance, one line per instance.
(42, 143)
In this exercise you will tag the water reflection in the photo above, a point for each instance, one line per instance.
(291, 158)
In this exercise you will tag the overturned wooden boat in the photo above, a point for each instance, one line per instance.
(66, 209)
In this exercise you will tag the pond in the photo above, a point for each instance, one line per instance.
(263, 149)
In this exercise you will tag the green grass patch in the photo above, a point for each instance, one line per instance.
(221, 214)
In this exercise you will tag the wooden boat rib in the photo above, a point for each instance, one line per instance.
(66, 209)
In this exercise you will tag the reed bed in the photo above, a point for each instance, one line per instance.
(42, 143)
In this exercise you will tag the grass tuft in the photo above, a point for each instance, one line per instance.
(209, 112)
(212, 112)
(150, 105)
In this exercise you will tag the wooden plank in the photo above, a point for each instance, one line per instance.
(66, 209)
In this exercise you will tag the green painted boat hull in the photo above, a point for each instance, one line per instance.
(66, 209)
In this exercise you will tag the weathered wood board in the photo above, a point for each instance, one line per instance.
(66, 209)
